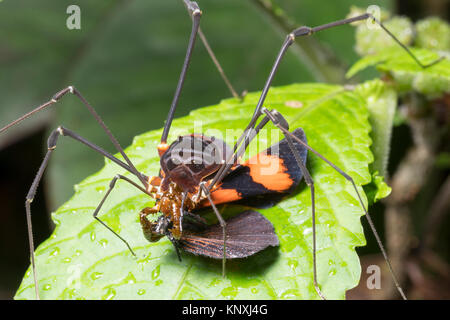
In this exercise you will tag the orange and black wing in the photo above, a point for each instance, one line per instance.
(241, 240)
(271, 172)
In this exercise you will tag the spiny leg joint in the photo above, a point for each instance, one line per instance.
(276, 118)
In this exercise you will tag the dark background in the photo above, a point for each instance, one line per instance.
(126, 60)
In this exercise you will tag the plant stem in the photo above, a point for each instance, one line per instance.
(409, 179)
(323, 64)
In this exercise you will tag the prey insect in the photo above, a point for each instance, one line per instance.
(185, 185)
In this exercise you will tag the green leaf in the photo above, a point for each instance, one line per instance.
(443, 160)
(407, 74)
(83, 260)
(37, 54)
(375, 39)
(126, 61)
(381, 103)
(433, 33)
(377, 189)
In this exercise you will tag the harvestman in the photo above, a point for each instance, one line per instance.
(252, 129)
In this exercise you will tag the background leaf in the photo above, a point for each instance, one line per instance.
(374, 40)
(84, 260)
(382, 103)
(382, 51)
(433, 33)
(126, 61)
(408, 75)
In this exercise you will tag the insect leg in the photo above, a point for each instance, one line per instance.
(279, 121)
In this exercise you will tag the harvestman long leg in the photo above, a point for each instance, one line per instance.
(252, 129)
(195, 12)
(289, 40)
(277, 119)
(112, 184)
(222, 224)
(280, 124)
(51, 146)
(74, 91)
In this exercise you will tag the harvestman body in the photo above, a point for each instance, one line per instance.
(186, 187)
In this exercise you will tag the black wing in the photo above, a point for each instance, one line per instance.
(246, 234)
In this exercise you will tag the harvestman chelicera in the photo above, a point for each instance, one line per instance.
(204, 189)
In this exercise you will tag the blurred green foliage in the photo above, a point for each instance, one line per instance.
(126, 60)
(433, 33)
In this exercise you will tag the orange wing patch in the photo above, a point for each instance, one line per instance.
(269, 170)
(219, 196)
(264, 177)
